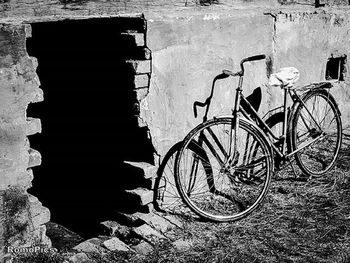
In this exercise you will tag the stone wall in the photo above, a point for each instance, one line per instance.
(22, 214)
(54, 9)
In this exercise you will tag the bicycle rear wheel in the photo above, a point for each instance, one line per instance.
(211, 186)
(318, 121)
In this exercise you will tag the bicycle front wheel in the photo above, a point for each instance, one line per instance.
(317, 131)
(218, 187)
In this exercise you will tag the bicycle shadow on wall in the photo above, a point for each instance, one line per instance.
(166, 196)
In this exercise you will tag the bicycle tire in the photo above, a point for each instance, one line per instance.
(202, 192)
(319, 157)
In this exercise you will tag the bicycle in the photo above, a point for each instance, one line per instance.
(224, 166)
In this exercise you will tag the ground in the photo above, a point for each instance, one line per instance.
(300, 221)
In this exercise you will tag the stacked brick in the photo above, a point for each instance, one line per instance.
(143, 233)
(22, 215)
(141, 66)
(145, 196)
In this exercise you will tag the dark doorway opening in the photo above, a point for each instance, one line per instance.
(89, 123)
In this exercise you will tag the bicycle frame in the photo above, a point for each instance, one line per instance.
(253, 116)
(263, 126)
(225, 165)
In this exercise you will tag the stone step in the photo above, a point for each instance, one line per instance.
(139, 38)
(92, 245)
(155, 221)
(143, 195)
(140, 66)
(144, 248)
(34, 158)
(147, 170)
(115, 244)
(141, 81)
(149, 234)
(33, 126)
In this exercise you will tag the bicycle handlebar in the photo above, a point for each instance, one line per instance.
(248, 59)
(241, 73)
(253, 58)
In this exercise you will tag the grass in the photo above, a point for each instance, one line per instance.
(39, 258)
(298, 222)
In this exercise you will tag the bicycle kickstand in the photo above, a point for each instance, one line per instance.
(291, 165)
(294, 172)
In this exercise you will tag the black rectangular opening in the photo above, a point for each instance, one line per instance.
(336, 68)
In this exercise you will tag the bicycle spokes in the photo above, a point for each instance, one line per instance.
(212, 184)
(317, 129)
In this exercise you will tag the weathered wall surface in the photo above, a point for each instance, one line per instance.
(189, 48)
(307, 40)
(23, 214)
(56, 9)
(188, 52)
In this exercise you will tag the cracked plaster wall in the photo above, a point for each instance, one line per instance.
(306, 40)
(190, 50)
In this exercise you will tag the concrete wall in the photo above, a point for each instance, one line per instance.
(56, 9)
(188, 52)
(307, 40)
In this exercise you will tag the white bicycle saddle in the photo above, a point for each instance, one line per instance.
(285, 77)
